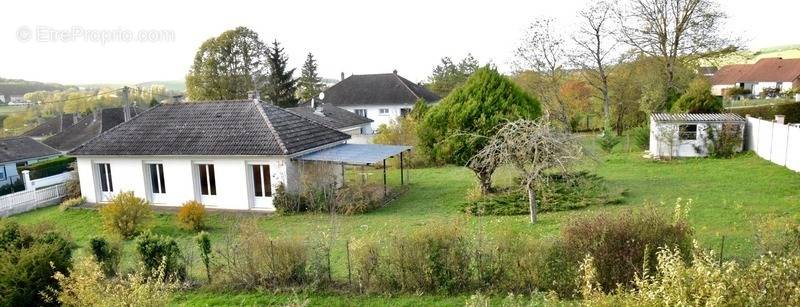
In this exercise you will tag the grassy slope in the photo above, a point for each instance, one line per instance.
(729, 195)
(6, 109)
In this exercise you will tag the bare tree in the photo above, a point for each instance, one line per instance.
(532, 147)
(543, 51)
(675, 31)
(595, 47)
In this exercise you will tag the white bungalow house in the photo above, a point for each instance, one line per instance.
(688, 135)
(20, 151)
(770, 73)
(380, 97)
(225, 154)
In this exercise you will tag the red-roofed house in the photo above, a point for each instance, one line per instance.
(776, 73)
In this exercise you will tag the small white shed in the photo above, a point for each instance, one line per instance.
(691, 135)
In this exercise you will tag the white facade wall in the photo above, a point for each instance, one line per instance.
(234, 184)
(661, 133)
(373, 113)
(717, 89)
(760, 86)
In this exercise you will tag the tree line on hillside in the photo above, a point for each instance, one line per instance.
(238, 62)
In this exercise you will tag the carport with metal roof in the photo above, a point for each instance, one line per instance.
(360, 155)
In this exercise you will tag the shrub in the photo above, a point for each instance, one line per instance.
(50, 167)
(29, 256)
(126, 215)
(192, 215)
(698, 99)
(621, 244)
(724, 142)
(768, 281)
(286, 202)
(790, 110)
(358, 199)
(641, 136)
(72, 202)
(15, 186)
(404, 132)
(248, 258)
(432, 259)
(561, 193)
(204, 244)
(608, 141)
(73, 186)
(158, 250)
(86, 285)
(107, 254)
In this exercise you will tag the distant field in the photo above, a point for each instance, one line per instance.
(10, 109)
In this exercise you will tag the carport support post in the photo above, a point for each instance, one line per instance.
(384, 178)
(402, 177)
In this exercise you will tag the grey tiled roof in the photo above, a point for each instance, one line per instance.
(88, 128)
(331, 116)
(23, 148)
(697, 117)
(211, 128)
(377, 89)
(53, 125)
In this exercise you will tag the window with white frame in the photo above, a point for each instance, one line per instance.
(208, 180)
(157, 184)
(383, 111)
(362, 112)
(106, 183)
(2, 173)
(262, 185)
(687, 132)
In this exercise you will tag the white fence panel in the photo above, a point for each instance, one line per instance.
(28, 200)
(777, 143)
(52, 180)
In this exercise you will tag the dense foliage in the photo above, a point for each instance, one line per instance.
(607, 141)
(404, 132)
(562, 192)
(456, 129)
(309, 85)
(158, 252)
(29, 256)
(107, 254)
(698, 99)
(768, 112)
(280, 87)
(192, 215)
(641, 136)
(126, 215)
(449, 75)
(224, 66)
(49, 167)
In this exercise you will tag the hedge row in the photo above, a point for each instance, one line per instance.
(49, 167)
(768, 112)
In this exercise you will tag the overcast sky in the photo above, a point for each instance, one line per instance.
(355, 37)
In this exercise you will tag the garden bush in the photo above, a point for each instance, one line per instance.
(286, 202)
(126, 215)
(641, 136)
(248, 258)
(192, 215)
(561, 193)
(767, 112)
(358, 199)
(72, 202)
(49, 167)
(107, 254)
(73, 186)
(621, 244)
(156, 251)
(86, 285)
(607, 141)
(15, 186)
(29, 256)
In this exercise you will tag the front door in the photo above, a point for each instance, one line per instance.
(262, 186)
(106, 182)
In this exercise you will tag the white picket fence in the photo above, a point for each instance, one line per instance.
(778, 143)
(31, 199)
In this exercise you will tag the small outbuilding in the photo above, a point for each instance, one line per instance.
(693, 135)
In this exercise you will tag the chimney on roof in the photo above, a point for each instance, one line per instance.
(394, 71)
(126, 107)
(342, 77)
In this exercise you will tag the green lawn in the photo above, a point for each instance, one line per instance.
(729, 196)
(5, 109)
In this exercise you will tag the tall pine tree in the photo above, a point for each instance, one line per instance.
(310, 84)
(280, 85)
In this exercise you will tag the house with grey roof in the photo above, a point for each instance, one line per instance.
(692, 135)
(334, 117)
(53, 125)
(18, 152)
(380, 97)
(225, 154)
(88, 127)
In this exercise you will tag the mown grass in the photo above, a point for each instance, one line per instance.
(729, 197)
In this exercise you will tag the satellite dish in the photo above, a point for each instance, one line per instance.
(322, 96)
